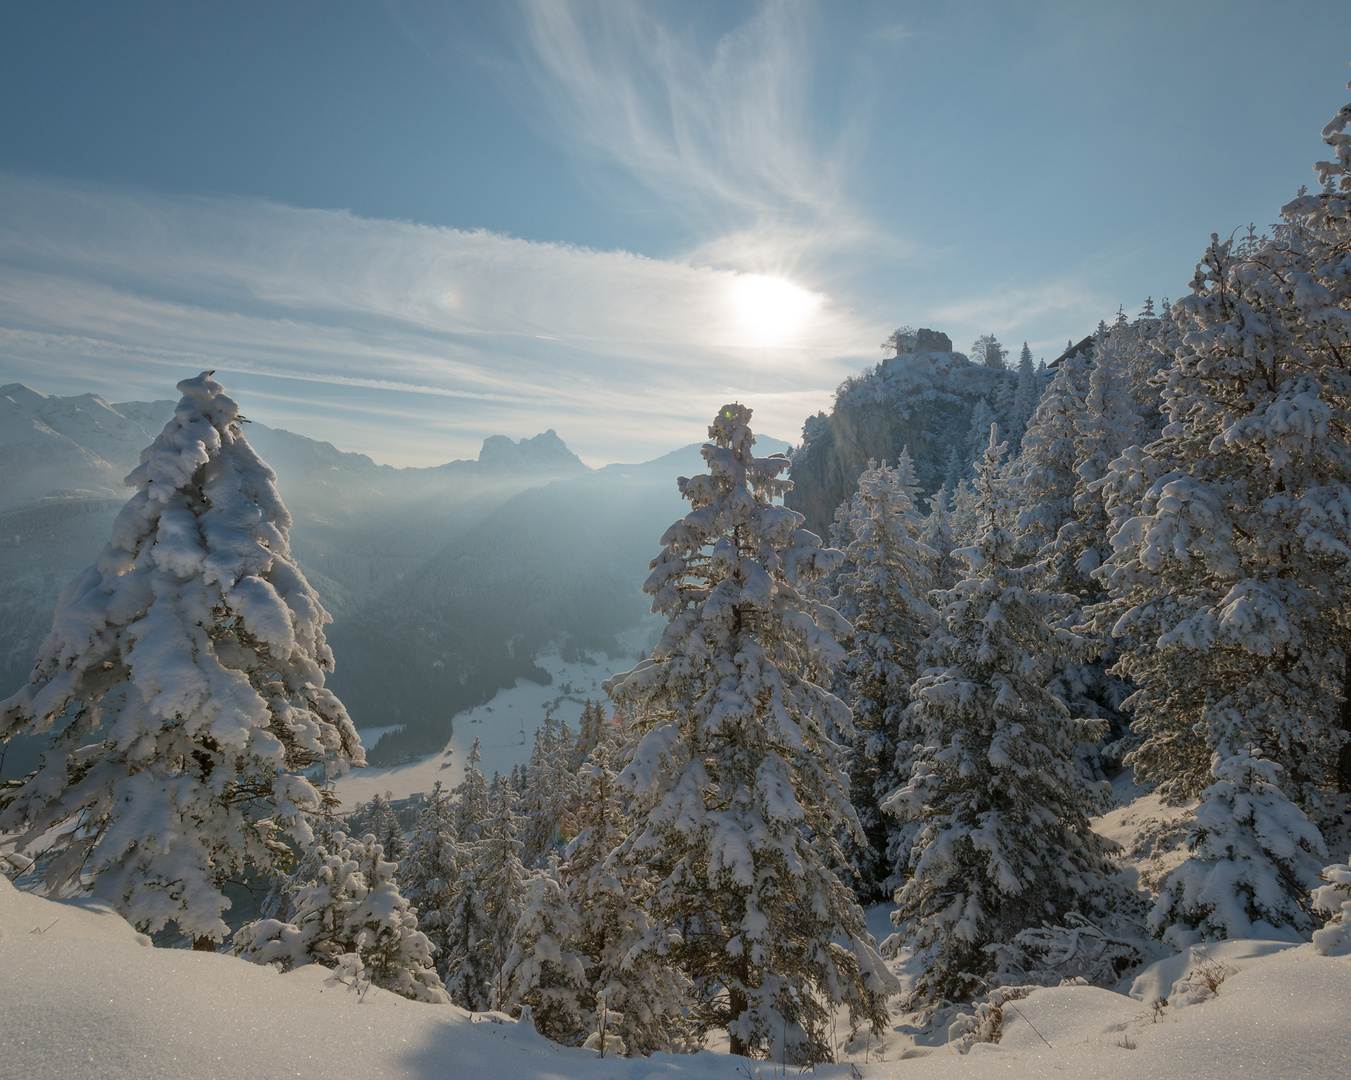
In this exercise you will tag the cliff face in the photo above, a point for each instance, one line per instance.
(927, 401)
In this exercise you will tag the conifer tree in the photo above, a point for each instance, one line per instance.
(379, 819)
(466, 967)
(1028, 394)
(471, 799)
(1252, 857)
(1046, 522)
(548, 805)
(882, 587)
(1004, 841)
(430, 870)
(541, 970)
(936, 534)
(1230, 558)
(589, 731)
(502, 880)
(646, 999)
(184, 675)
(352, 911)
(740, 792)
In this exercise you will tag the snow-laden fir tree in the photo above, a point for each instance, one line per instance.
(645, 998)
(590, 729)
(1046, 520)
(471, 799)
(1004, 841)
(378, 818)
(502, 879)
(936, 534)
(430, 870)
(1252, 860)
(542, 971)
(549, 800)
(467, 962)
(882, 585)
(352, 915)
(982, 416)
(279, 902)
(740, 793)
(1028, 394)
(184, 680)
(1230, 561)
(466, 966)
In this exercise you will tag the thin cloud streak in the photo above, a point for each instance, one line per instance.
(721, 135)
(626, 356)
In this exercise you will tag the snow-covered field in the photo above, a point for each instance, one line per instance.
(505, 727)
(85, 995)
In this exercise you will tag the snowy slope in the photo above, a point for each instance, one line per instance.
(84, 995)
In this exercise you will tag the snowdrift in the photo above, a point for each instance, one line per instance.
(86, 995)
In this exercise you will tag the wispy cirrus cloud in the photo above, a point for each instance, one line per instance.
(726, 133)
(464, 334)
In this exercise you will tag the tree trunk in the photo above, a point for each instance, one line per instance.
(204, 944)
(737, 1004)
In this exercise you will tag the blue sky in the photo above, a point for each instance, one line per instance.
(403, 226)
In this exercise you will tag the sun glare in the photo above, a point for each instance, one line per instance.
(771, 311)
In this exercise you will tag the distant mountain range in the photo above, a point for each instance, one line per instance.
(444, 582)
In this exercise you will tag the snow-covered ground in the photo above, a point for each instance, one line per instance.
(505, 727)
(85, 995)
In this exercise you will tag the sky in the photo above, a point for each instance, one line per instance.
(404, 226)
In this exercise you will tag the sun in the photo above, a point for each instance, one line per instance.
(770, 310)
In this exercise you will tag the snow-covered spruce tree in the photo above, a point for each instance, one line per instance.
(502, 880)
(1028, 394)
(549, 801)
(882, 586)
(740, 793)
(1252, 857)
(471, 799)
(467, 938)
(466, 967)
(1230, 565)
(279, 902)
(1046, 520)
(1004, 841)
(353, 909)
(184, 677)
(378, 818)
(431, 867)
(936, 535)
(625, 955)
(541, 970)
(590, 728)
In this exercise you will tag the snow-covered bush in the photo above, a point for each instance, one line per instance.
(1077, 948)
(184, 681)
(1252, 858)
(353, 908)
(1334, 899)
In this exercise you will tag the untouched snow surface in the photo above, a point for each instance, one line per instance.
(85, 995)
(505, 726)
